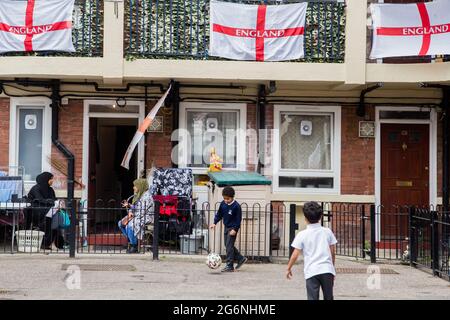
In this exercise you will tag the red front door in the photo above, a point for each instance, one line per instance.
(404, 174)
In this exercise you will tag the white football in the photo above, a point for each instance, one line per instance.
(213, 261)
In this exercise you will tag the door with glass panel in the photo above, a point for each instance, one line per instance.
(30, 141)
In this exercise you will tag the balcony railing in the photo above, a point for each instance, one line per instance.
(87, 32)
(179, 29)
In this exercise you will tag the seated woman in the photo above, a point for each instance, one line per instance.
(42, 198)
(140, 213)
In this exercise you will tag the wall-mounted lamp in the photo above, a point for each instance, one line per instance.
(272, 87)
(120, 102)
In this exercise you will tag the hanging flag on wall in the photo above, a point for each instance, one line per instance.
(257, 32)
(36, 25)
(418, 29)
(141, 130)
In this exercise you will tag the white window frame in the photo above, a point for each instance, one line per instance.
(334, 172)
(30, 103)
(214, 107)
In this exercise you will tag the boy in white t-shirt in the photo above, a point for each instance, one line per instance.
(318, 245)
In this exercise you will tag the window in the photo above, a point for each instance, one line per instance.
(412, 115)
(307, 152)
(212, 130)
(210, 126)
(30, 137)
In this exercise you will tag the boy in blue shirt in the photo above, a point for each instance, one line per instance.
(231, 214)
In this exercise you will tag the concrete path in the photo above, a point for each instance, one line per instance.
(183, 278)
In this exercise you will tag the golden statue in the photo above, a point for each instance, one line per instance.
(215, 162)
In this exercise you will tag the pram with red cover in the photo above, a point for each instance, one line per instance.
(172, 188)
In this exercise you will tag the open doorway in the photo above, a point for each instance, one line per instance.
(107, 132)
(109, 139)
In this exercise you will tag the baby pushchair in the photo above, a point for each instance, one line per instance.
(172, 189)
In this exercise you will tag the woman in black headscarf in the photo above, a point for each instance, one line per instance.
(42, 198)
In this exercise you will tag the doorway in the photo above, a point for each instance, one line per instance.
(405, 174)
(109, 139)
(107, 132)
(405, 167)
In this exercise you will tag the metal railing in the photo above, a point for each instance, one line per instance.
(179, 29)
(87, 32)
(419, 236)
(348, 221)
(430, 240)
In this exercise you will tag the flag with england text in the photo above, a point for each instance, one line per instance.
(418, 29)
(36, 25)
(257, 32)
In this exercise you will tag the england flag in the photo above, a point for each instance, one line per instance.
(36, 25)
(257, 32)
(418, 29)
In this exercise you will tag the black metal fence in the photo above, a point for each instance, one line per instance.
(419, 236)
(183, 229)
(179, 29)
(266, 231)
(430, 239)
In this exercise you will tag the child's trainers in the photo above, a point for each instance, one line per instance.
(228, 269)
(241, 262)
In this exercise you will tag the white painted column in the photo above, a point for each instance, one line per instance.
(113, 44)
(355, 42)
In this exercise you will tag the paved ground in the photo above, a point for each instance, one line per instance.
(43, 277)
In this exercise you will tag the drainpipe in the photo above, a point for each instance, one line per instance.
(361, 111)
(445, 148)
(56, 101)
(175, 97)
(261, 126)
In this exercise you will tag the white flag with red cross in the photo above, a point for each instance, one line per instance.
(36, 25)
(257, 32)
(418, 29)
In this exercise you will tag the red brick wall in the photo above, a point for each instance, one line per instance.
(71, 135)
(357, 156)
(4, 132)
(158, 145)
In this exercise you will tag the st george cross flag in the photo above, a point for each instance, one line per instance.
(36, 25)
(257, 32)
(141, 130)
(417, 29)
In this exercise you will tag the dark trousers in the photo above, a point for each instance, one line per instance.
(52, 235)
(233, 254)
(313, 285)
(37, 219)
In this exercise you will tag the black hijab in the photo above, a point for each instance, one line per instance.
(42, 181)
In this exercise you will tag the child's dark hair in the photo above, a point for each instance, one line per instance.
(228, 192)
(313, 211)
